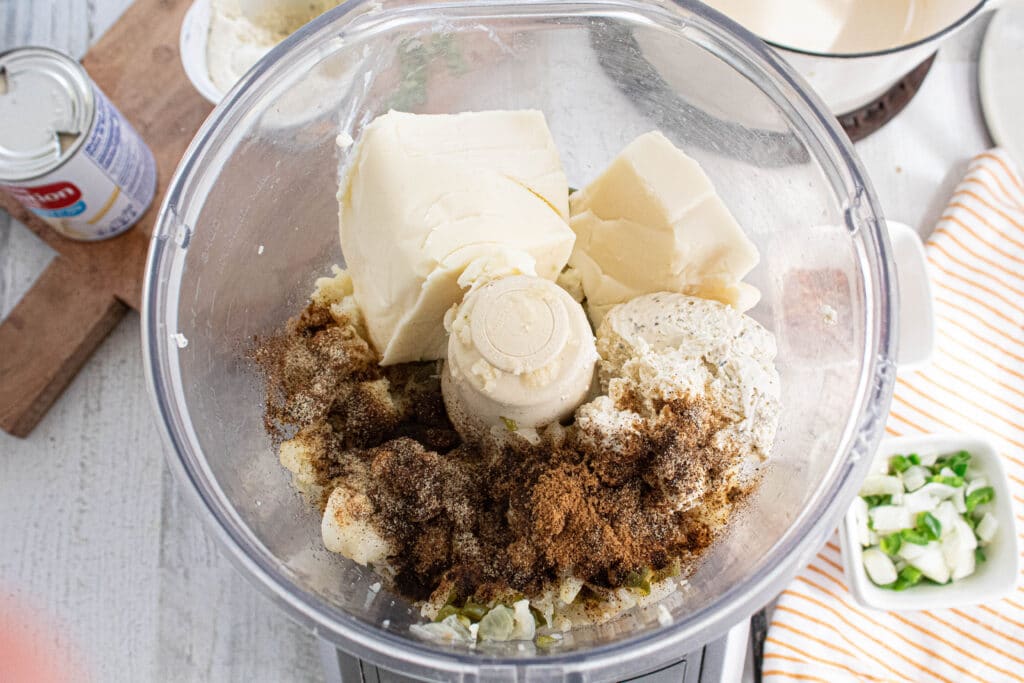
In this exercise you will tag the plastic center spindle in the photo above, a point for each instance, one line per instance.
(523, 328)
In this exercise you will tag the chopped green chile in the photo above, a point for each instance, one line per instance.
(914, 536)
(640, 581)
(474, 611)
(672, 570)
(446, 611)
(979, 497)
(950, 473)
(898, 464)
(908, 576)
(955, 482)
(891, 544)
(957, 462)
(929, 525)
(545, 641)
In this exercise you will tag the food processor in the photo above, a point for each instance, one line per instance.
(250, 221)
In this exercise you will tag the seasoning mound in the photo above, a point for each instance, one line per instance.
(583, 520)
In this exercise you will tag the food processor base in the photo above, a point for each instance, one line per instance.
(720, 661)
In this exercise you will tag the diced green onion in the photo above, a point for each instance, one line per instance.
(979, 555)
(875, 501)
(932, 563)
(914, 536)
(545, 641)
(497, 624)
(891, 544)
(915, 477)
(914, 459)
(879, 567)
(957, 462)
(929, 525)
(672, 570)
(898, 464)
(954, 481)
(523, 620)
(987, 527)
(881, 485)
(475, 611)
(640, 581)
(911, 574)
(979, 497)
(908, 576)
(446, 611)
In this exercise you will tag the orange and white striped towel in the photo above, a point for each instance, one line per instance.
(975, 384)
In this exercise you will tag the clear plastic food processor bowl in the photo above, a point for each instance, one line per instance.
(251, 220)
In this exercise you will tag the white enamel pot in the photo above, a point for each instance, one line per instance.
(847, 82)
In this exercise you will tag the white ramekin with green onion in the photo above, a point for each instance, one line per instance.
(933, 526)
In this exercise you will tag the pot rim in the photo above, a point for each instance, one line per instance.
(935, 37)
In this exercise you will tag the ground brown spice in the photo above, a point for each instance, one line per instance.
(499, 519)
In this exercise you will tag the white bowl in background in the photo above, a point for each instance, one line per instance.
(992, 580)
(195, 30)
(293, 109)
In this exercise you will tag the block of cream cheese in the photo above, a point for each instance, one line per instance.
(652, 222)
(428, 195)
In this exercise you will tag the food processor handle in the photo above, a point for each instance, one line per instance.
(916, 317)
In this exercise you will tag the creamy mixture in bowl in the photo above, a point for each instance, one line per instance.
(527, 411)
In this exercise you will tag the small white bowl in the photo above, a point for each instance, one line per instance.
(195, 29)
(993, 579)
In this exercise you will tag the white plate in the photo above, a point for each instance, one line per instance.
(993, 579)
(1000, 81)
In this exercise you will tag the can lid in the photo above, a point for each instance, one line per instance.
(46, 107)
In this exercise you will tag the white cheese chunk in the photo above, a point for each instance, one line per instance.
(652, 222)
(426, 196)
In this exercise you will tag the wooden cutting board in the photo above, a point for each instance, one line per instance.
(88, 287)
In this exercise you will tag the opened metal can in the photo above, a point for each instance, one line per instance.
(66, 152)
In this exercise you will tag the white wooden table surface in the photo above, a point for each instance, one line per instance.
(94, 535)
